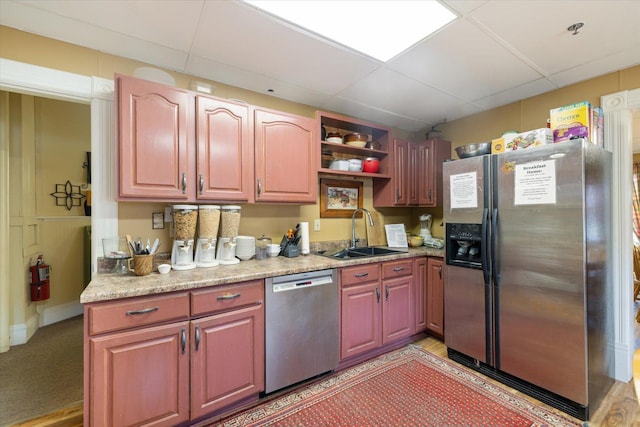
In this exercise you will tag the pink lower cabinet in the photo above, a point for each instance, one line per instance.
(169, 359)
(227, 359)
(376, 306)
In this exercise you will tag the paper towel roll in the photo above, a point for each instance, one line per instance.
(304, 238)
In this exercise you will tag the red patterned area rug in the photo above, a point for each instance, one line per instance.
(407, 387)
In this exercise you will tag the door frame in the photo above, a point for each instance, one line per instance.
(45, 82)
(618, 111)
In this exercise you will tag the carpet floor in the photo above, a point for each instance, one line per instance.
(43, 375)
(407, 387)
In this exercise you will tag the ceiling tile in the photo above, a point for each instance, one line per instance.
(171, 25)
(527, 90)
(250, 40)
(388, 90)
(538, 29)
(465, 62)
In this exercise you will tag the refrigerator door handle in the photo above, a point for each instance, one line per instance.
(484, 245)
(494, 238)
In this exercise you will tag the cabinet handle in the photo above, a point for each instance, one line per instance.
(201, 183)
(378, 294)
(183, 340)
(440, 271)
(197, 337)
(143, 311)
(397, 194)
(386, 293)
(184, 183)
(228, 296)
(361, 275)
(259, 187)
(398, 268)
(429, 195)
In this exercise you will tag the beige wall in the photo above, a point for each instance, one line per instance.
(273, 220)
(532, 113)
(49, 140)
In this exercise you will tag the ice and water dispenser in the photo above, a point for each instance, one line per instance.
(464, 245)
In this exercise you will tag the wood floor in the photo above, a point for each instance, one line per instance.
(619, 409)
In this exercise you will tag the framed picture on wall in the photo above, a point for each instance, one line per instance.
(338, 199)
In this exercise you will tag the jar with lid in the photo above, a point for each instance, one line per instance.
(262, 243)
(209, 220)
(230, 221)
(185, 218)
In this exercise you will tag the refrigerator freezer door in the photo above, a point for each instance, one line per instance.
(465, 189)
(540, 268)
(467, 306)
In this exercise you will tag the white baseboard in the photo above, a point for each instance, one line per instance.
(22, 332)
(60, 312)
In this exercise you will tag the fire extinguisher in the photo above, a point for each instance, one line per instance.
(40, 280)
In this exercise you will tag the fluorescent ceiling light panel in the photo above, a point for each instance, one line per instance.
(378, 28)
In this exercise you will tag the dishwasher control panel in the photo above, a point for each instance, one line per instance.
(305, 283)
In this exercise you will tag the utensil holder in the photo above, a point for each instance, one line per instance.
(291, 251)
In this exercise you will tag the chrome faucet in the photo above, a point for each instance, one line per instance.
(353, 225)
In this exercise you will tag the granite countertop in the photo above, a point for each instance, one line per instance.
(105, 287)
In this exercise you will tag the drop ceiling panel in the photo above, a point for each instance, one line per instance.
(527, 90)
(465, 62)
(258, 83)
(538, 29)
(388, 90)
(171, 25)
(253, 41)
(66, 29)
(599, 67)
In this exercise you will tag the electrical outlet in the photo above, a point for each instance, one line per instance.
(316, 225)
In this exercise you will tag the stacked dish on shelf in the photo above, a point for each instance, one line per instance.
(245, 247)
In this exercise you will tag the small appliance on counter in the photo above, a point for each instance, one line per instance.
(209, 222)
(229, 225)
(185, 218)
(425, 227)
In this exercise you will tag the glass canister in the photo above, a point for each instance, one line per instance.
(209, 220)
(262, 243)
(185, 219)
(230, 221)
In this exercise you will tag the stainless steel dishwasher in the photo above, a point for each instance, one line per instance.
(301, 318)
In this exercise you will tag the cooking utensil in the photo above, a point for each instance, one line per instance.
(472, 150)
(371, 165)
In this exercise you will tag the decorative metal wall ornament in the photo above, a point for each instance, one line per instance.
(68, 195)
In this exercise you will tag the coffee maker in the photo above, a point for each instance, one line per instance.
(185, 219)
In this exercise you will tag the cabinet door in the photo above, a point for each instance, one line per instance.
(435, 296)
(140, 377)
(432, 154)
(397, 309)
(227, 359)
(224, 155)
(153, 153)
(360, 319)
(400, 149)
(286, 165)
(420, 289)
(413, 173)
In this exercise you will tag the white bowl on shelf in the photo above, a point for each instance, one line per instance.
(164, 268)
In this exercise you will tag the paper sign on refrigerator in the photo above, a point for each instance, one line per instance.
(464, 190)
(535, 183)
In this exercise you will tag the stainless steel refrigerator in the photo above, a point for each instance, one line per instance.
(527, 281)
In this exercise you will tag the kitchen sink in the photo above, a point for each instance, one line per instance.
(355, 253)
